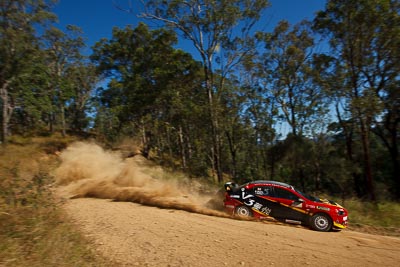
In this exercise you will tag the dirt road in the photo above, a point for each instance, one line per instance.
(159, 222)
(135, 235)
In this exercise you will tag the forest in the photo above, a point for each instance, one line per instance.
(333, 82)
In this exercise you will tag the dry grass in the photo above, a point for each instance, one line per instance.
(377, 218)
(34, 231)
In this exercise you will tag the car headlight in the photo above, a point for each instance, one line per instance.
(340, 212)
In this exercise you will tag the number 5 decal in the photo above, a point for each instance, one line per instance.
(249, 202)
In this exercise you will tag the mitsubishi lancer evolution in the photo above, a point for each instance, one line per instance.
(283, 202)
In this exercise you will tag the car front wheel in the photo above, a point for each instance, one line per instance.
(321, 222)
(243, 211)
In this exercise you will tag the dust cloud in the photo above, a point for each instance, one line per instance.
(87, 170)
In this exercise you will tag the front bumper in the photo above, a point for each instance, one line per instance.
(341, 223)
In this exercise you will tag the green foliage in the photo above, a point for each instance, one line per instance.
(70, 78)
(136, 62)
(221, 32)
(212, 26)
(382, 217)
(154, 91)
(82, 79)
(221, 116)
(285, 67)
(365, 43)
(37, 84)
(19, 52)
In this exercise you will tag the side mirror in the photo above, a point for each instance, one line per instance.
(298, 202)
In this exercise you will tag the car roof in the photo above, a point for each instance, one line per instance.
(270, 182)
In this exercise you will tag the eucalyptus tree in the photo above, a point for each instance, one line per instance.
(331, 77)
(286, 79)
(286, 69)
(364, 37)
(63, 50)
(31, 99)
(258, 114)
(19, 20)
(151, 88)
(386, 80)
(127, 62)
(82, 78)
(181, 131)
(220, 32)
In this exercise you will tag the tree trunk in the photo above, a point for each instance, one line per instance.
(396, 170)
(348, 133)
(216, 157)
(390, 140)
(7, 110)
(63, 123)
(317, 181)
(272, 165)
(392, 144)
(4, 125)
(367, 161)
(182, 145)
(51, 122)
(394, 153)
(145, 143)
(232, 150)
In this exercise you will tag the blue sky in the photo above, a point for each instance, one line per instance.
(97, 18)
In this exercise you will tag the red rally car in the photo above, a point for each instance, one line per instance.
(262, 199)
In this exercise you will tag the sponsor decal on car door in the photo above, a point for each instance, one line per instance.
(265, 204)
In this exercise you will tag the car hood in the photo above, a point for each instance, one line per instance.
(330, 202)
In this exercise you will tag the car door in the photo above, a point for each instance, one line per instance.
(290, 205)
(264, 200)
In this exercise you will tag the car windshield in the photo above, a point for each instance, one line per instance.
(312, 198)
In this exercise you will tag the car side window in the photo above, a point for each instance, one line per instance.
(263, 191)
(282, 193)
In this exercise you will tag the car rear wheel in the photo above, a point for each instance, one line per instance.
(243, 211)
(321, 222)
